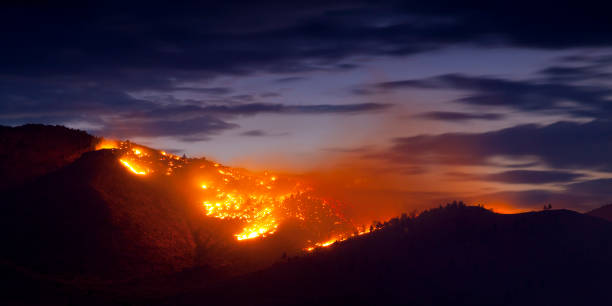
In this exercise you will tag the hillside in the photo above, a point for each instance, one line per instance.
(32, 150)
(86, 217)
(455, 255)
(92, 219)
(604, 212)
(98, 227)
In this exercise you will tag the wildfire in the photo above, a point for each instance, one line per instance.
(127, 165)
(338, 239)
(107, 144)
(260, 202)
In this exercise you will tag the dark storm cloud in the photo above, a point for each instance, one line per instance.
(523, 177)
(241, 37)
(61, 60)
(526, 95)
(560, 145)
(458, 116)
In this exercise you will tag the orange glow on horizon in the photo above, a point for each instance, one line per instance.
(506, 209)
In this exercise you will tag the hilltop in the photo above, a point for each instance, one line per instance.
(32, 150)
(604, 212)
(453, 255)
(80, 228)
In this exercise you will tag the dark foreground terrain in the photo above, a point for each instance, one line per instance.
(76, 231)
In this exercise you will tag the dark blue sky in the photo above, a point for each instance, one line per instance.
(503, 103)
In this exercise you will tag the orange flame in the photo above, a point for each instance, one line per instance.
(127, 165)
(260, 202)
(107, 144)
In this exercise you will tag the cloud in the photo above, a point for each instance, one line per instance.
(562, 145)
(198, 123)
(205, 90)
(581, 196)
(458, 116)
(575, 73)
(260, 133)
(361, 149)
(523, 176)
(270, 95)
(241, 38)
(257, 108)
(255, 133)
(526, 95)
(290, 79)
(194, 129)
(85, 63)
(602, 187)
(113, 112)
(537, 198)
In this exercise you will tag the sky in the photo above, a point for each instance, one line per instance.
(504, 104)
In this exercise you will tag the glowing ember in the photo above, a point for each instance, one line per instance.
(261, 203)
(107, 144)
(127, 165)
(327, 243)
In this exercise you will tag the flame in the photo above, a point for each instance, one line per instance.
(127, 165)
(260, 203)
(339, 239)
(107, 144)
(326, 243)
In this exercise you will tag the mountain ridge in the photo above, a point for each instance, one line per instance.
(85, 230)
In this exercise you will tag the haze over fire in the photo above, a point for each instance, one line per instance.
(257, 202)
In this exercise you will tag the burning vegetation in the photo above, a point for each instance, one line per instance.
(257, 203)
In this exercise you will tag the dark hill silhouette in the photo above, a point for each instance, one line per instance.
(93, 219)
(29, 151)
(604, 212)
(77, 228)
(93, 222)
(455, 255)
